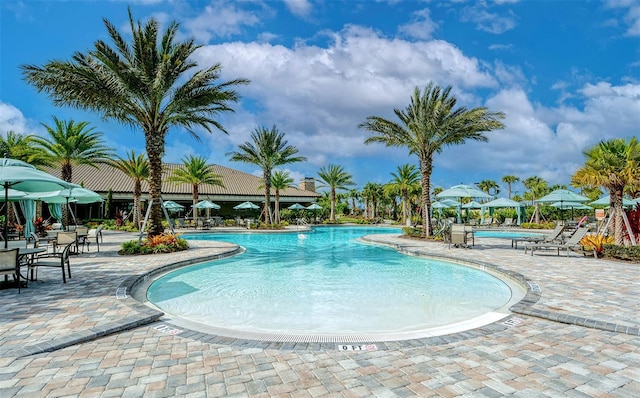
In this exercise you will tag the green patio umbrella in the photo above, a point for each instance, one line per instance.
(462, 191)
(314, 207)
(246, 206)
(21, 176)
(561, 196)
(606, 201)
(296, 206)
(171, 205)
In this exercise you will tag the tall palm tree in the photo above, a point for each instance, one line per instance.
(19, 146)
(613, 165)
(135, 167)
(70, 143)
(268, 150)
(195, 172)
(509, 179)
(430, 123)
(280, 180)
(335, 178)
(406, 180)
(148, 84)
(537, 188)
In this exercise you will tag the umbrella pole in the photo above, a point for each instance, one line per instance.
(6, 214)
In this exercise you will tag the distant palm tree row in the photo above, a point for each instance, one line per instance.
(149, 84)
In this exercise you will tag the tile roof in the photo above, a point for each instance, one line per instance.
(103, 178)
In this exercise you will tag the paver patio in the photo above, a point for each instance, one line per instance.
(88, 338)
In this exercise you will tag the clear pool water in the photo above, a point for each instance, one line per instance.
(325, 282)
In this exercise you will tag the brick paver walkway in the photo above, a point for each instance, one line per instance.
(89, 338)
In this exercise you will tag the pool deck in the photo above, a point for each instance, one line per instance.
(89, 338)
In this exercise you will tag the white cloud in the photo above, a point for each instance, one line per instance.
(632, 16)
(421, 26)
(12, 119)
(301, 8)
(487, 21)
(220, 19)
(318, 95)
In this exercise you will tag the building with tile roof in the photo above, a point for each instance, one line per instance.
(238, 187)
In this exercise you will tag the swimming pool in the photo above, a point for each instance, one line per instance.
(325, 283)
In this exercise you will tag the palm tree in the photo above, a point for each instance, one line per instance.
(354, 195)
(509, 179)
(135, 167)
(195, 172)
(268, 150)
(18, 146)
(490, 187)
(336, 178)
(72, 143)
(537, 188)
(280, 180)
(147, 84)
(613, 165)
(372, 193)
(430, 123)
(406, 180)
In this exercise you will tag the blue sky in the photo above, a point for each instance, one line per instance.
(566, 73)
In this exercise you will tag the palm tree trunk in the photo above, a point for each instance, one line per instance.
(155, 148)
(137, 193)
(277, 210)
(616, 214)
(404, 207)
(332, 217)
(267, 197)
(426, 168)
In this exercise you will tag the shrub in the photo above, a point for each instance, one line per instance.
(412, 231)
(595, 243)
(627, 253)
(164, 243)
(532, 225)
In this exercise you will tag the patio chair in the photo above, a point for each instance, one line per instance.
(181, 223)
(56, 260)
(554, 236)
(459, 235)
(9, 265)
(93, 234)
(572, 243)
(65, 238)
(487, 222)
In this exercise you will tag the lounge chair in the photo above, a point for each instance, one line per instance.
(554, 236)
(9, 265)
(572, 243)
(508, 222)
(486, 222)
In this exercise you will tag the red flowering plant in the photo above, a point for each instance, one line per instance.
(633, 216)
(41, 226)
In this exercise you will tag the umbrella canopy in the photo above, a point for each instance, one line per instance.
(472, 205)
(606, 201)
(462, 191)
(571, 205)
(171, 205)
(246, 206)
(205, 204)
(314, 206)
(19, 175)
(563, 195)
(296, 206)
(13, 195)
(503, 202)
(76, 194)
